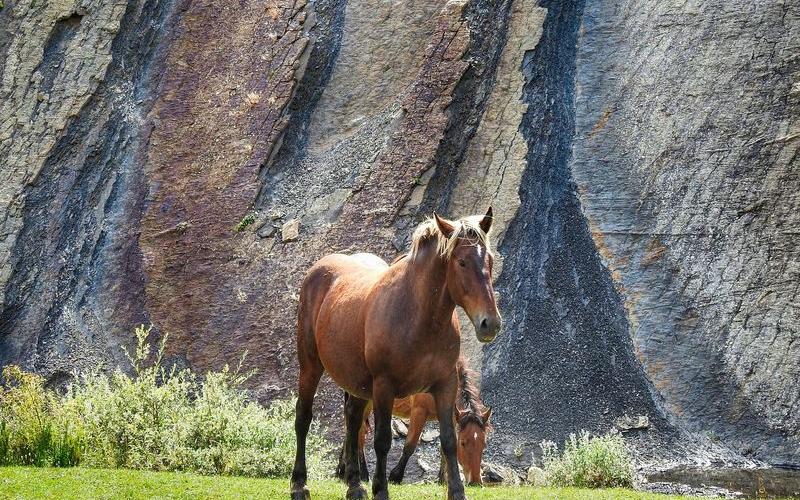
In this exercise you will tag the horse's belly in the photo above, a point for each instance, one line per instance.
(348, 375)
(340, 344)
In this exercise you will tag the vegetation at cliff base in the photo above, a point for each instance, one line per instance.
(156, 419)
(588, 462)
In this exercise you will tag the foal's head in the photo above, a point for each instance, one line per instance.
(472, 431)
(464, 246)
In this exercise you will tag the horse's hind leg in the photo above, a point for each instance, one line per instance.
(362, 437)
(341, 469)
(342, 465)
(308, 380)
(307, 387)
(354, 420)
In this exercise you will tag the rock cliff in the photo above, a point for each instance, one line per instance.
(182, 163)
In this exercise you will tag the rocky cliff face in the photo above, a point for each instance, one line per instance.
(182, 163)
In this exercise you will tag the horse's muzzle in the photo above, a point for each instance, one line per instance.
(487, 327)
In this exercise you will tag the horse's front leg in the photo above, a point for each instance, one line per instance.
(354, 419)
(445, 396)
(383, 402)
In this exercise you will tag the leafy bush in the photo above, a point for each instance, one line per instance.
(588, 462)
(34, 429)
(158, 419)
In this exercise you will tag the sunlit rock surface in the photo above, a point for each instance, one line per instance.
(182, 163)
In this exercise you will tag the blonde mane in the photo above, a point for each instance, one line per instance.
(465, 227)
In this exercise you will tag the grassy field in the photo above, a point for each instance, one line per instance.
(82, 483)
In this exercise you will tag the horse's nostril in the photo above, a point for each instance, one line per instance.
(484, 324)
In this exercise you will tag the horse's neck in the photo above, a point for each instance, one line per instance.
(425, 279)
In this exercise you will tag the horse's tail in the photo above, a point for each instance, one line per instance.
(312, 293)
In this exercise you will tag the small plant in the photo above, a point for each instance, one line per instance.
(247, 220)
(588, 462)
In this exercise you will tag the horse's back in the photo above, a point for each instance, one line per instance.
(339, 264)
(336, 266)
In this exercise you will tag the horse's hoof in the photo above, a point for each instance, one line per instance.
(381, 495)
(356, 493)
(301, 494)
(457, 495)
(395, 478)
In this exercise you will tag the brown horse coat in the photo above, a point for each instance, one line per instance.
(384, 332)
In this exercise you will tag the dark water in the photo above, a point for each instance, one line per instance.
(753, 483)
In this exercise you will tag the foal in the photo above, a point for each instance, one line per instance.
(384, 332)
(472, 421)
(472, 424)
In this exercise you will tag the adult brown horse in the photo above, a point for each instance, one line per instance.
(472, 424)
(384, 332)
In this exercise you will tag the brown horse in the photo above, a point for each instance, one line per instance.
(384, 332)
(472, 422)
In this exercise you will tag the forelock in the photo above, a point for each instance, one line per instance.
(467, 228)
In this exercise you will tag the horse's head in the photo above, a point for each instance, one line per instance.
(472, 431)
(469, 271)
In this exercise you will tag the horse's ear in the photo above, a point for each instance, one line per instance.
(486, 222)
(462, 413)
(445, 226)
(486, 414)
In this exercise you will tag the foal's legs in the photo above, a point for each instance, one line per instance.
(354, 420)
(310, 374)
(415, 426)
(445, 400)
(383, 402)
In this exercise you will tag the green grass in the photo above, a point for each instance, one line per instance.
(82, 483)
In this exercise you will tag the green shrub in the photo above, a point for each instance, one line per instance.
(588, 462)
(34, 429)
(163, 419)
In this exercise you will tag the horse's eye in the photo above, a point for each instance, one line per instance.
(461, 262)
